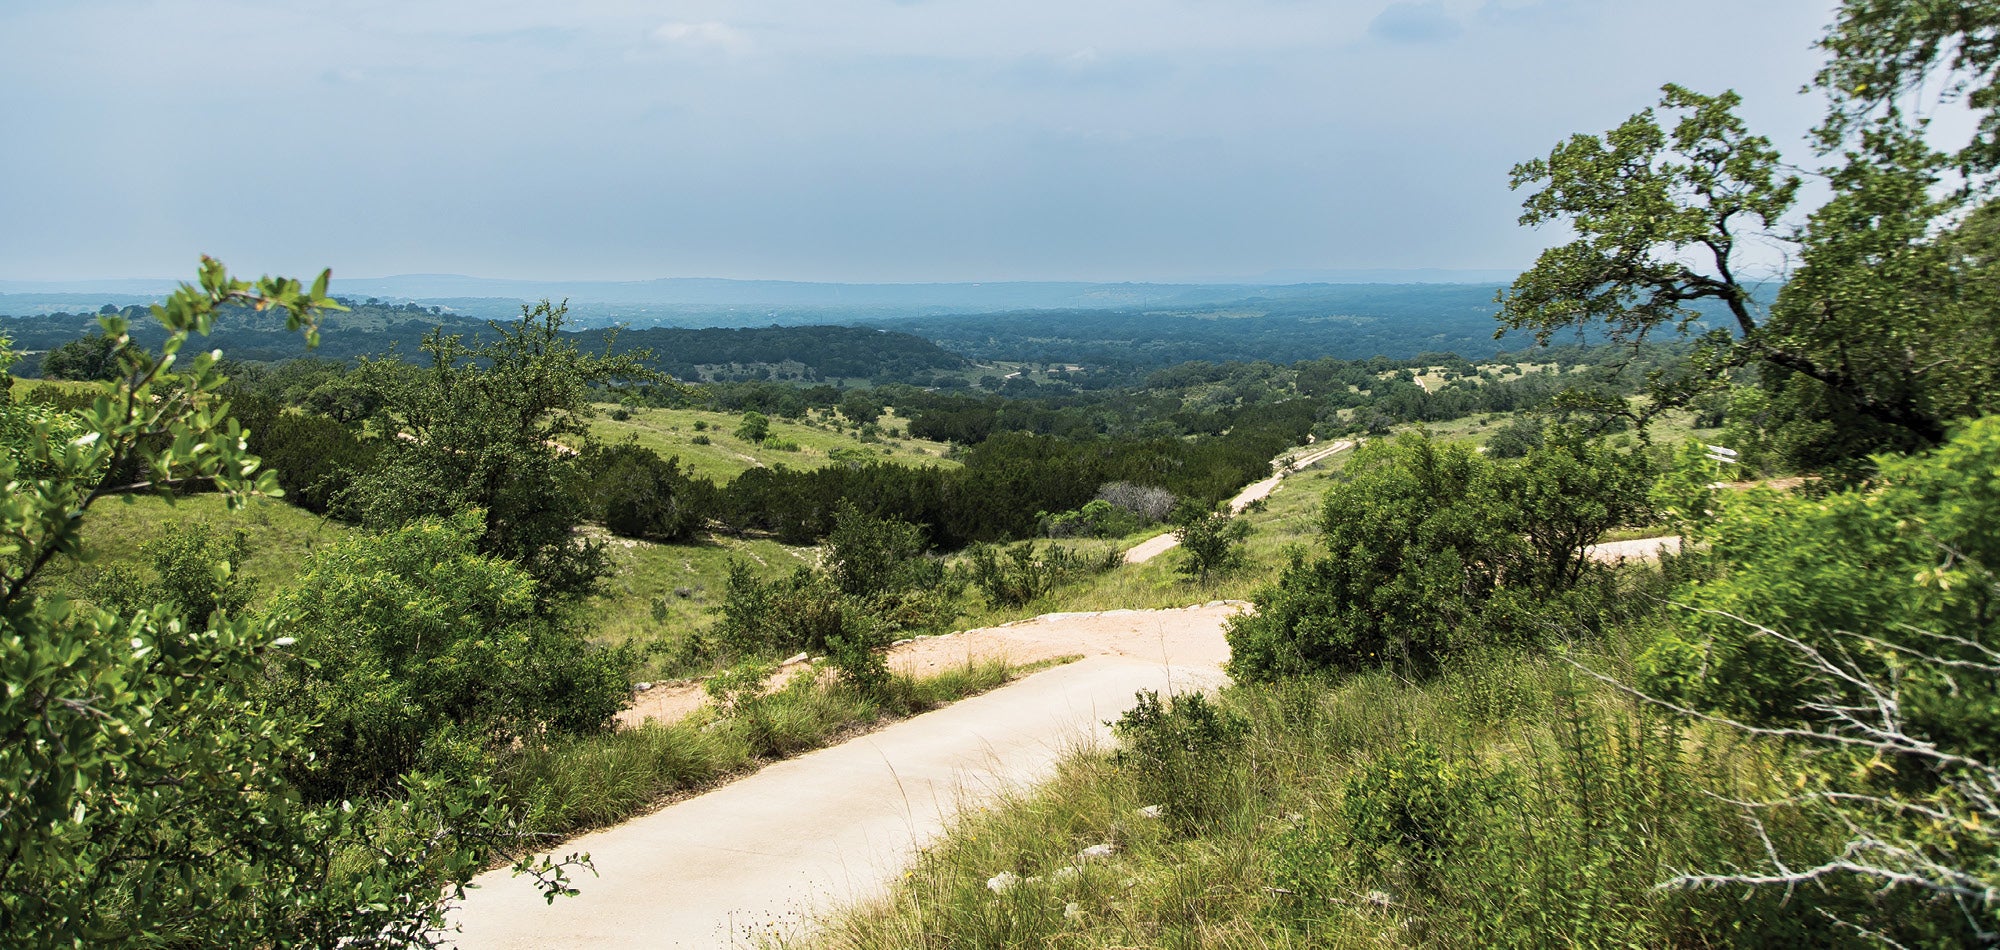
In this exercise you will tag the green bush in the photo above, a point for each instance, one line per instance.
(1428, 549)
(1097, 519)
(802, 611)
(1413, 809)
(313, 456)
(1179, 752)
(193, 572)
(415, 653)
(1862, 624)
(638, 494)
(1211, 542)
(756, 427)
(1015, 576)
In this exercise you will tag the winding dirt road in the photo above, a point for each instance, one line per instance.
(762, 855)
(1160, 544)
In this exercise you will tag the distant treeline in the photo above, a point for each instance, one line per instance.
(1351, 323)
(819, 352)
(799, 353)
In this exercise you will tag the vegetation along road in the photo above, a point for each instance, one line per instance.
(758, 857)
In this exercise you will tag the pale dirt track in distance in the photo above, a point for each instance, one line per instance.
(1160, 544)
(761, 855)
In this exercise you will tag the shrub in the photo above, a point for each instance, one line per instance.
(1430, 549)
(741, 686)
(1017, 575)
(756, 427)
(1178, 752)
(1211, 542)
(1862, 625)
(313, 456)
(415, 653)
(1413, 808)
(1097, 519)
(638, 494)
(800, 612)
(857, 652)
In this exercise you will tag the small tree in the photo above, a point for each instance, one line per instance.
(756, 427)
(483, 427)
(1211, 542)
(93, 356)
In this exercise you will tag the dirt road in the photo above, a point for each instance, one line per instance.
(761, 855)
(1160, 544)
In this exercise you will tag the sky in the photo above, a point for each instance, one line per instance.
(837, 140)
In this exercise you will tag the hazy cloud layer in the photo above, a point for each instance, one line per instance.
(856, 140)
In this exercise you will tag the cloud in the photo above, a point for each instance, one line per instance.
(705, 35)
(1415, 21)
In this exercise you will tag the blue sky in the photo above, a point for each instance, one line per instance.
(857, 140)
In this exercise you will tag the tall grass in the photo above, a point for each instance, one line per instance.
(1511, 801)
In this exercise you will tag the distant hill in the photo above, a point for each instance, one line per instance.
(716, 302)
(799, 352)
(1349, 322)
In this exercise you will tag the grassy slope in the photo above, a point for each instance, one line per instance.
(663, 593)
(1570, 803)
(280, 536)
(671, 432)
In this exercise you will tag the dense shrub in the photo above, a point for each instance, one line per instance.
(1098, 519)
(1429, 549)
(416, 653)
(1862, 625)
(1015, 576)
(314, 456)
(1178, 752)
(638, 494)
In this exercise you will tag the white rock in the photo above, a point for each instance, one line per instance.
(1150, 811)
(1096, 851)
(641, 687)
(794, 658)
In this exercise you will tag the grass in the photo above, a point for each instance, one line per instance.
(661, 594)
(1544, 812)
(671, 432)
(281, 537)
(571, 786)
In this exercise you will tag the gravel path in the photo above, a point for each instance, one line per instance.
(760, 856)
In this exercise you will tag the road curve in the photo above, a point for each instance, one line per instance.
(760, 856)
(1162, 543)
